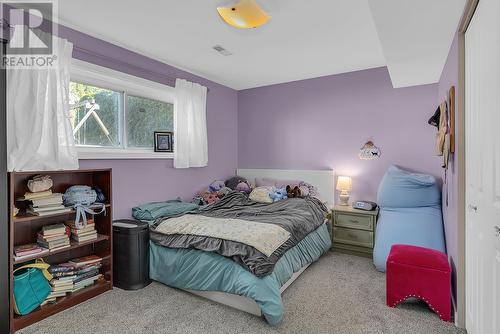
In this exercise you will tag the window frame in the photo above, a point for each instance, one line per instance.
(87, 73)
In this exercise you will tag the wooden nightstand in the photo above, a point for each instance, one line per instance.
(353, 230)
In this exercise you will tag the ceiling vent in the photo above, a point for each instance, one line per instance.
(221, 50)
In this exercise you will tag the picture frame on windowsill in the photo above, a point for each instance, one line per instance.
(163, 141)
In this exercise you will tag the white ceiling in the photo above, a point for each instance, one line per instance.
(416, 36)
(304, 39)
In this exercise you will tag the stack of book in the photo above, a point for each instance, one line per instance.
(60, 287)
(45, 203)
(25, 251)
(74, 275)
(84, 233)
(54, 237)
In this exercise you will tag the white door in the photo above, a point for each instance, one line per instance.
(482, 114)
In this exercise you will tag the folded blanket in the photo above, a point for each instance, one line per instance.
(266, 238)
(171, 208)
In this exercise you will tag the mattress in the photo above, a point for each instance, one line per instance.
(192, 269)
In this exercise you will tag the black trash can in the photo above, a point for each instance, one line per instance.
(130, 254)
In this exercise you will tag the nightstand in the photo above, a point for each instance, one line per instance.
(353, 230)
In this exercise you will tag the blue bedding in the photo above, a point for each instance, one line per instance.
(198, 270)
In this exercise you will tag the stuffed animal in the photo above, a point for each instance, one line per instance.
(243, 187)
(278, 194)
(209, 197)
(216, 186)
(234, 181)
(293, 191)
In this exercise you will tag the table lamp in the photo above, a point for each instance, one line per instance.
(344, 184)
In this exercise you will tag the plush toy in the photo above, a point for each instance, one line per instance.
(216, 186)
(234, 181)
(278, 194)
(292, 192)
(209, 197)
(243, 187)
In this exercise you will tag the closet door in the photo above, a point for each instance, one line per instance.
(482, 113)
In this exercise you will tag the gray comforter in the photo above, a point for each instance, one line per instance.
(299, 216)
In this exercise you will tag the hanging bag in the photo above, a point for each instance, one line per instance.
(31, 287)
(81, 198)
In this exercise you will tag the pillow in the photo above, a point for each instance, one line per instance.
(402, 189)
(270, 182)
(261, 195)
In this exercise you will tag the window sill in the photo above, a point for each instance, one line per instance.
(89, 153)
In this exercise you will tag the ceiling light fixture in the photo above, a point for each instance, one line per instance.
(245, 14)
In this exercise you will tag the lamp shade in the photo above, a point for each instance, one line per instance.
(344, 183)
(245, 14)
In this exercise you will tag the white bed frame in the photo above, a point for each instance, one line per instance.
(323, 180)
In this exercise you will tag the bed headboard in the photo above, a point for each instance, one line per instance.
(323, 180)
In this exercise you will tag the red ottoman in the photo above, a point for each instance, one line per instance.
(420, 273)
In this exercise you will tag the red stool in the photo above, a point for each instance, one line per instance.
(419, 273)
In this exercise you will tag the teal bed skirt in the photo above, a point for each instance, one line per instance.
(198, 270)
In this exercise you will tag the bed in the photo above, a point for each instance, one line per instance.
(241, 277)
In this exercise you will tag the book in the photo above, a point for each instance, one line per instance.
(87, 229)
(54, 243)
(58, 247)
(85, 233)
(47, 213)
(49, 230)
(27, 249)
(55, 294)
(61, 268)
(87, 268)
(82, 261)
(60, 283)
(51, 237)
(41, 194)
(85, 283)
(39, 254)
(88, 237)
(47, 208)
(72, 224)
(52, 199)
(86, 275)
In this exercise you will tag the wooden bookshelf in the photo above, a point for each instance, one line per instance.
(24, 227)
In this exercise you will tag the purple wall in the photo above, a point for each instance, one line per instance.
(322, 123)
(140, 181)
(449, 77)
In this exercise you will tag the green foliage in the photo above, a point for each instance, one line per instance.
(143, 117)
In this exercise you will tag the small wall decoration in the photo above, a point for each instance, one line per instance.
(163, 141)
(369, 151)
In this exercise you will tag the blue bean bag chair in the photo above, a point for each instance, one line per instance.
(410, 214)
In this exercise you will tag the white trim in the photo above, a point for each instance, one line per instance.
(104, 77)
(128, 85)
(103, 153)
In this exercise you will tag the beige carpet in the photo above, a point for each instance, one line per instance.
(338, 294)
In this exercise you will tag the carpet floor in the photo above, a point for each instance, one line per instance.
(338, 294)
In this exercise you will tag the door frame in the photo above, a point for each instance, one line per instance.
(470, 8)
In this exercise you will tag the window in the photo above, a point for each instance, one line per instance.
(114, 115)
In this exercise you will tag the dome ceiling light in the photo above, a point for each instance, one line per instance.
(244, 15)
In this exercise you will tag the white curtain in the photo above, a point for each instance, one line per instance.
(190, 125)
(39, 131)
